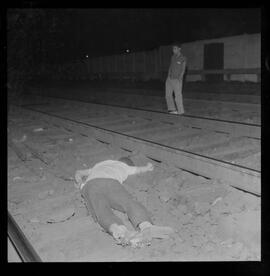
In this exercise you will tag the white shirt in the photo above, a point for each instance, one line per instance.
(112, 169)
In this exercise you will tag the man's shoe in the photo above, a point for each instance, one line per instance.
(173, 112)
(146, 235)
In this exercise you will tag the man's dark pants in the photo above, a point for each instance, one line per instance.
(103, 194)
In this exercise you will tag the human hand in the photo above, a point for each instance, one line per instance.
(150, 166)
(80, 177)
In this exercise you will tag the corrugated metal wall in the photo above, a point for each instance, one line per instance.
(240, 52)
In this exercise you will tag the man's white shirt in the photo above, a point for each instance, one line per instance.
(112, 169)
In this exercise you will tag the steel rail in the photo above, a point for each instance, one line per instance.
(142, 109)
(219, 125)
(13, 256)
(21, 244)
(235, 175)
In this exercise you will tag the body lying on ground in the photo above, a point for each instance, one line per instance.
(102, 188)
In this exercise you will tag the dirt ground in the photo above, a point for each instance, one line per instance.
(212, 221)
(243, 151)
(232, 105)
(238, 112)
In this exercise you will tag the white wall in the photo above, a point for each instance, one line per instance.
(243, 51)
(194, 52)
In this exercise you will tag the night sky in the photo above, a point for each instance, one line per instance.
(143, 29)
(73, 33)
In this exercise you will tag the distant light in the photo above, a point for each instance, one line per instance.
(86, 56)
(127, 50)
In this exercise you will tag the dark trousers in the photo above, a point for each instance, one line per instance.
(102, 195)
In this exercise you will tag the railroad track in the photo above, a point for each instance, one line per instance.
(244, 112)
(215, 149)
(226, 126)
(20, 246)
(118, 131)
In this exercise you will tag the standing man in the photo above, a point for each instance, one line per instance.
(174, 81)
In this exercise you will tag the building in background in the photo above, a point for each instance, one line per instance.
(235, 58)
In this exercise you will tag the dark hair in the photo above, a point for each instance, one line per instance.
(178, 44)
(127, 161)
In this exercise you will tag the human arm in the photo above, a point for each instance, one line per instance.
(170, 69)
(183, 70)
(138, 170)
(169, 72)
(80, 174)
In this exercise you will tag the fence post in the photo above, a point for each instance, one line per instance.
(132, 67)
(203, 76)
(259, 77)
(144, 57)
(160, 64)
(156, 64)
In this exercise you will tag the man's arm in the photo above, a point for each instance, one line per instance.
(169, 71)
(184, 69)
(80, 174)
(149, 167)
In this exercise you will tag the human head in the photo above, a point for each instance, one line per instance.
(176, 47)
(127, 161)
